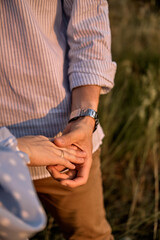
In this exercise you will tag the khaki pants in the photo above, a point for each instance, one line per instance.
(80, 211)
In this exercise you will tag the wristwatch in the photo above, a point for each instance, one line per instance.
(83, 113)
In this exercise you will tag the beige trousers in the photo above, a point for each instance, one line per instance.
(79, 212)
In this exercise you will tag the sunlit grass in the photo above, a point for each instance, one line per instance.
(130, 153)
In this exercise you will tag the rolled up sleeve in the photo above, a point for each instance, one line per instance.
(89, 39)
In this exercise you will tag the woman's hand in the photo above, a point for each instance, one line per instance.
(42, 152)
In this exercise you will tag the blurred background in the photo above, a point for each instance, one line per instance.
(130, 116)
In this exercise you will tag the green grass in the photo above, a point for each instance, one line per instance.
(130, 116)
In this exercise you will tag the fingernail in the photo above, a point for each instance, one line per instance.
(73, 166)
(65, 170)
(50, 171)
(64, 184)
(83, 153)
(61, 139)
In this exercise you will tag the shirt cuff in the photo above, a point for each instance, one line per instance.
(78, 79)
(92, 73)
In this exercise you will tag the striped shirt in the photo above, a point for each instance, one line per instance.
(47, 48)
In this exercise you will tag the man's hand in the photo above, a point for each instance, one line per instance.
(77, 133)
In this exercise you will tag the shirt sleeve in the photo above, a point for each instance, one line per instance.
(89, 39)
(21, 213)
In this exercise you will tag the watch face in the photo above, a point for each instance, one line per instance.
(89, 112)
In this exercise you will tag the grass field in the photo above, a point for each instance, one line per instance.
(131, 149)
(130, 116)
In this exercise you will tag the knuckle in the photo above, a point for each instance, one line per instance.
(73, 158)
(84, 181)
(66, 162)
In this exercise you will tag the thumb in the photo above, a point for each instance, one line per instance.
(67, 139)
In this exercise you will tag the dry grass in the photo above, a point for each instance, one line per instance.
(130, 116)
(130, 157)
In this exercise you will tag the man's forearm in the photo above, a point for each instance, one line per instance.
(79, 133)
(86, 97)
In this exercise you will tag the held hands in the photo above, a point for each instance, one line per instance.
(76, 144)
(43, 152)
(77, 135)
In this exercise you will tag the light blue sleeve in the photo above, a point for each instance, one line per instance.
(21, 213)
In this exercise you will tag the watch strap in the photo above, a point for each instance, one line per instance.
(83, 113)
